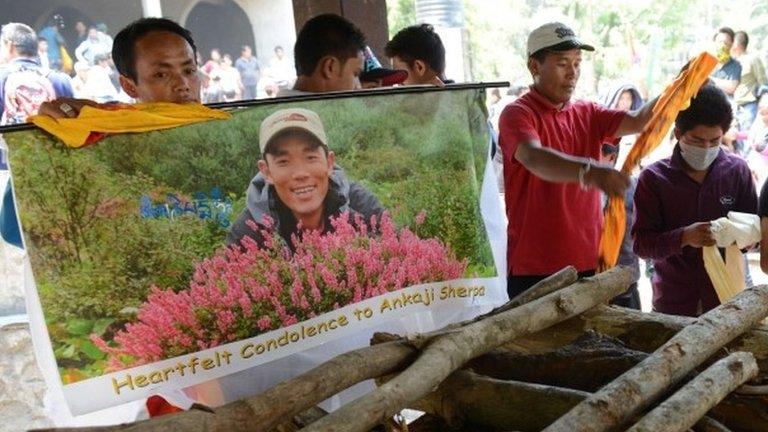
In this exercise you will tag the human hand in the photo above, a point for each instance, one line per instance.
(65, 107)
(698, 235)
(607, 179)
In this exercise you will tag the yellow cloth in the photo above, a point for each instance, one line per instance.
(75, 132)
(675, 98)
(738, 230)
(727, 276)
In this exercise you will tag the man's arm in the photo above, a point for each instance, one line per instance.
(554, 166)
(635, 121)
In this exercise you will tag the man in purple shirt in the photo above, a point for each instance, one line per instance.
(677, 197)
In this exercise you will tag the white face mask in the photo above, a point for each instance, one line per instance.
(698, 158)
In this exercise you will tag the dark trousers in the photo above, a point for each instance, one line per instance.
(516, 285)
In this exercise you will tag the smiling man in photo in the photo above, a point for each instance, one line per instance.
(298, 186)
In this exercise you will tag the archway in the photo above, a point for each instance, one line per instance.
(223, 25)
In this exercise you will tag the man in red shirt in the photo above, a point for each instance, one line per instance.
(552, 179)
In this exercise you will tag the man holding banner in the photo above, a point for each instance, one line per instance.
(551, 146)
(156, 59)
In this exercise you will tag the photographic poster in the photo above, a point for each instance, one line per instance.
(167, 259)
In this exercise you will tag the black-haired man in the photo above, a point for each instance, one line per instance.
(728, 73)
(678, 196)
(328, 56)
(24, 84)
(156, 60)
(298, 186)
(418, 50)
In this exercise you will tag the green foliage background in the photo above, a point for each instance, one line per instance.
(95, 259)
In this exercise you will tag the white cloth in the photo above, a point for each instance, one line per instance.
(740, 228)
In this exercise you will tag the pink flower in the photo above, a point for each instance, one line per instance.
(245, 291)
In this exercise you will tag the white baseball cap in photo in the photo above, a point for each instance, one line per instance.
(291, 118)
(557, 36)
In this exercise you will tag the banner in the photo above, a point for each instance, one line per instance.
(169, 259)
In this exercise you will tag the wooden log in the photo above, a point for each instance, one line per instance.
(557, 281)
(610, 407)
(708, 424)
(683, 409)
(641, 331)
(476, 402)
(448, 352)
(289, 398)
(598, 358)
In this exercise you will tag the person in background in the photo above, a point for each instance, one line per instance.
(82, 34)
(79, 89)
(93, 46)
(231, 83)
(42, 53)
(212, 72)
(419, 51)
(98, 85)
(55, 40)
(24, 85)
(753, 76)
(624, 97)
(248, 66)
(757, 139)
(728, 73)
(677, 197)
(328, 56)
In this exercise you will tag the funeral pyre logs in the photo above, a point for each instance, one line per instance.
(556, 359)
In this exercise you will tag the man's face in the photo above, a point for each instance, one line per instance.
(625, 101)
(5, 51)
(723, 41)
(557, 76)
(80, 27)
(418, 72)
(702, 136)
(347, 76)
(165, 68)
(93, 34)
(246, 52)
(299, 170)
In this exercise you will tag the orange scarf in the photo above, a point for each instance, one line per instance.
(675, 98)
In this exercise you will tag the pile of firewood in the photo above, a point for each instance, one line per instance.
(555, 359)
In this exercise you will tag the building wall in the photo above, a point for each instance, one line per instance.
(369, 15)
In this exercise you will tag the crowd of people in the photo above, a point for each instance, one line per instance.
(558, 154)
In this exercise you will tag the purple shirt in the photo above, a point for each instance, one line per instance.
(666, 201)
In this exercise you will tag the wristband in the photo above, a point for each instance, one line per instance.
(583, 170)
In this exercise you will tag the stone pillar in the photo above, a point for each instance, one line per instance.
(151, 9)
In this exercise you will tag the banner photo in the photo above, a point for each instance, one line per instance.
(168, 259)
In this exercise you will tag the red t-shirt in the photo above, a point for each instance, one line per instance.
(552, 225)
